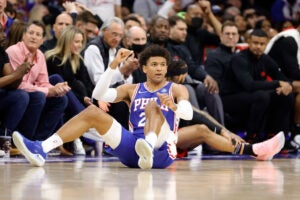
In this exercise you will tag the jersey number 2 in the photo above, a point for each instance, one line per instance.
(142, 122)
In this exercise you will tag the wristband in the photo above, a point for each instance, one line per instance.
(184, 110)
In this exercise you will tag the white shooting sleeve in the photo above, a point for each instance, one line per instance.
(102, 91)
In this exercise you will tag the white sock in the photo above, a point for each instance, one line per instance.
(51, 143)
(151, 138)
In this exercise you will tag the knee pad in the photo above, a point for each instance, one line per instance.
(113, 136)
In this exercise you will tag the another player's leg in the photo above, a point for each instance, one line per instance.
(36, 151)
(144, 147)
(267, 149)
(192, 136)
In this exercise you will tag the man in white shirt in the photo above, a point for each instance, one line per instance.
(102, 50)
(98, 55)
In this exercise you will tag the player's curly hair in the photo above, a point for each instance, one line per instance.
(152, 51)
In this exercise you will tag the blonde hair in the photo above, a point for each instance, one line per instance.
(62, 49)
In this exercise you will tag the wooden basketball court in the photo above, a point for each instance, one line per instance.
(196, 177)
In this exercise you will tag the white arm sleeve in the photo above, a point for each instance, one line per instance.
(93, 61)
(184, 110)
(102, 91)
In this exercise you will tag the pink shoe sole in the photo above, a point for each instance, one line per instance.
(267, 149)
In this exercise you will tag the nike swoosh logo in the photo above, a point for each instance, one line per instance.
(141, 92)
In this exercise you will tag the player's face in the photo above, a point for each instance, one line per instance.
(179, 79)
(156, 69)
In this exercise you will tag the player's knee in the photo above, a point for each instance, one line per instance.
(203, 131)
(92, 113)
(152, 108)
(151, 105)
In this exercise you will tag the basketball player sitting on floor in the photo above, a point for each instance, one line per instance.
(155, 108)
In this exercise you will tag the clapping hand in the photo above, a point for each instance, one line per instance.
(25, 67)
(59, 89)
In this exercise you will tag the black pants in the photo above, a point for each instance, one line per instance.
(120, 112)
(264, 112)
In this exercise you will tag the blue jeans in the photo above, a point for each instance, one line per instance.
(13, 104)
(42, 115)
(74, 105)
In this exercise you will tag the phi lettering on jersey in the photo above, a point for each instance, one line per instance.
(140, 104)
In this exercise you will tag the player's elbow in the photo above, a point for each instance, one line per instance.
(184, 110)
